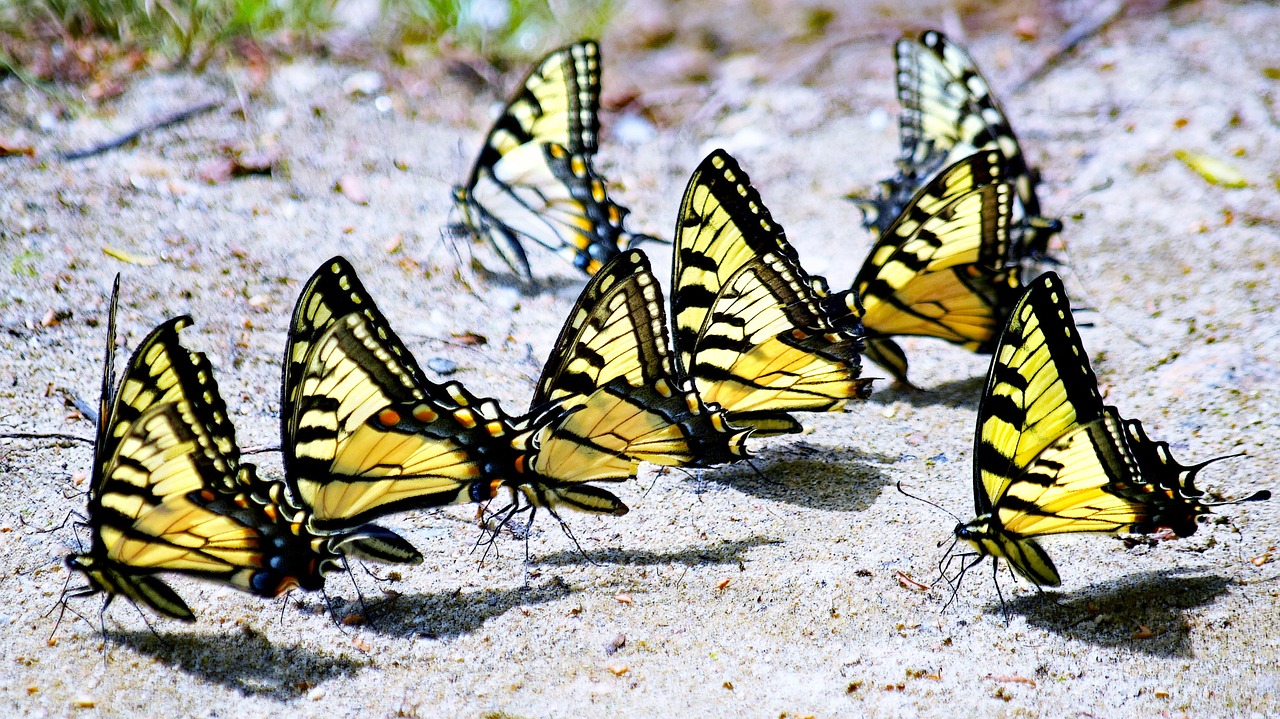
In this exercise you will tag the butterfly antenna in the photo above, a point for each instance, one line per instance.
(935, 505)
(283, 604)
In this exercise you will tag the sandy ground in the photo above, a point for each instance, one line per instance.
(770, 594)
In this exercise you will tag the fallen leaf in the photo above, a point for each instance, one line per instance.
(1010, 679)
(130, 257)
(9, 148)
(1144, 632)
(352, 620)
(352, 188)
(470, 338)
(618, 669)
(723, 584)
(1213, 170)
(728, 685)
(361, 644)
(905, 580)
(623, 599)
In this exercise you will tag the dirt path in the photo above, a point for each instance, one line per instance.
(773, 595)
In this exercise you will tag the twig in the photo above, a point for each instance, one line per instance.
(1102, 16)
(37, 435)
(259, 450)
(162, 123)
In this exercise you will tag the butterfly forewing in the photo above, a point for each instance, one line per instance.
(749, 327)
(1039, 386)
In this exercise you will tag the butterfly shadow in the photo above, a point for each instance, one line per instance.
(441, 615)
(808, 476)
(964, 392)
(244, 661)
(1122, 612)
(727, 552)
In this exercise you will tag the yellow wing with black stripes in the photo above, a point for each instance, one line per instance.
(169, 494)
(612, 359)
(750, 328)
(942, 269)
(1050, 458)
(347, 379)
(533, 179)
(948, 113)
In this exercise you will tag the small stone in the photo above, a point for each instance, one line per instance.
(442, 366)
(366, 82)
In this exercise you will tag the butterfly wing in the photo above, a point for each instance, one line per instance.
(948, 113)
(749, 327)
(169, 494)
(347, 379)
(1040, 386)
(940, 269)
(613, 354)
(533, 178)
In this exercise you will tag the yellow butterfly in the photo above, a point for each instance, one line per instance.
(533, 179)
(1050, 458)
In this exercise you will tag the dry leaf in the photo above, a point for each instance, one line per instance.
(1010, 678)
(623, 599)
(1213, 170)
(723, 584)
(470, 338)
(130, 257)
(618, 669)
(9, 148)
(905, 580)
(352, 188)
(1144, 632)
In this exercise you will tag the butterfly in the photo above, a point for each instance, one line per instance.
(366, 433)
(752, 331)
(1050, 458)
(169, 494)
(606, 400)
(534, 180)
(942, 269)
(613, 357)
(347, 379)
(948, 113)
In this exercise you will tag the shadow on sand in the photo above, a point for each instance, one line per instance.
(807, 476)
(1111, 614)
(244, 660)
(956, 393)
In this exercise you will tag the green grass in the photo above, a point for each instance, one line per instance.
(496, 28)
(192, 30)
(180, 29)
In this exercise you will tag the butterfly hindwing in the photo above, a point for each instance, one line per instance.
(750, 329)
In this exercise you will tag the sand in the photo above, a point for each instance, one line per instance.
(805, 587)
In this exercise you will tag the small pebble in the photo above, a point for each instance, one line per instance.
(441, 365)
(366, 82)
